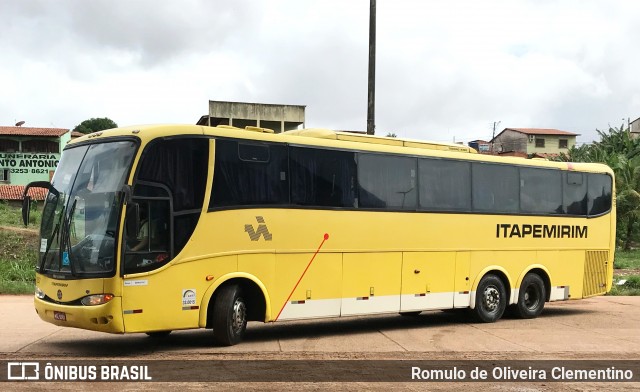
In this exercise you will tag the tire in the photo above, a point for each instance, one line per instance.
(411, 314)
(491, 299)
(531, 297)
(229, 316)
(158, 334)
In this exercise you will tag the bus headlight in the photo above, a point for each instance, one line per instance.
(39, 293)
(96, 299)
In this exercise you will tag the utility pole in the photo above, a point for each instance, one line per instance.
(495, 124)
(371, 102)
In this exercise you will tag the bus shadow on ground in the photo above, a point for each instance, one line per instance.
(140, 344)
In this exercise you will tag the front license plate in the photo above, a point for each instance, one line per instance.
(62, 316)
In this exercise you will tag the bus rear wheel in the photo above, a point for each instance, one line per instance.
(491, 299)
(531, 298)
(229, 316)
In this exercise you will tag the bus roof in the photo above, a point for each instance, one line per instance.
(389, 141)
(335, 139)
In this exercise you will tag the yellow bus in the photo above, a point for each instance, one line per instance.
(159, 228)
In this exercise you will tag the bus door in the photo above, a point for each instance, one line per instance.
(147, 247)
(168, 195)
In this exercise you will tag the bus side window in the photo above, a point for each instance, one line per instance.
(248, 174)
(323, 178)
(574, 198)
(495, 188)
(599, 186)
(387, 181)
(445, 185)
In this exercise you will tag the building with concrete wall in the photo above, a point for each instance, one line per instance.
(532, 141)
(634, 128)
(279, 118)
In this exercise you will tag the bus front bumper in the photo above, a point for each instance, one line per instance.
(104, 318)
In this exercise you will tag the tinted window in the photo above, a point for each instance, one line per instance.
(180, 165)
(574, 197)
(540, 191)
(495, 188)
(445, 185)
(387, 181)
(599, 193)
(172, 178)
(322, 177)
(249, 174)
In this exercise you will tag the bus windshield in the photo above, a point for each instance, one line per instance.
(77, 234)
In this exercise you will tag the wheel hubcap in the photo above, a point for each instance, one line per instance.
(491, 298)
(531, 297)
(239, 316)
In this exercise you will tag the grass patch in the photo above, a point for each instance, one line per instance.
(18, 255)
(631, 285)
(629, 259)
(12, 216)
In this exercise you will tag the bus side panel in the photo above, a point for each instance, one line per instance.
(427, 279)
(170, 298)
(371, 283)
(319, 290)
(567, 273)
(462, 282)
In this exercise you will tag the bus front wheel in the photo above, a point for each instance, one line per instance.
(491, 299)
(229, 316)
(531, 298)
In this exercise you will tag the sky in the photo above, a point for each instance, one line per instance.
(445, 70)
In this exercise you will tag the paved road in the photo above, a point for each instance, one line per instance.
(598, 328)
(607, 326)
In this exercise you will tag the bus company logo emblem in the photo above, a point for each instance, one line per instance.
(59, 294)
(262, 230)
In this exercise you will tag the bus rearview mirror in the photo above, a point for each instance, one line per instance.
(26, 209)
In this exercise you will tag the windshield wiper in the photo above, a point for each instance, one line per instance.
(66, 237)
(49, 243)
(55, 232)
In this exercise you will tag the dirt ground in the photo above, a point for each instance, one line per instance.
(601, 329)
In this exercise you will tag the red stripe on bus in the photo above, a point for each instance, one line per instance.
(325, 238)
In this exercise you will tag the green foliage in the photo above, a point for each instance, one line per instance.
(12, 216)
(630, 287)
(18, 255)
(627, 259)
(95, 125)
(620, 151)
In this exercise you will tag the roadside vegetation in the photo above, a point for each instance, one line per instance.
(18, 250)
(626, 276)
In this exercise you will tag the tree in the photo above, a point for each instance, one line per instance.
(95, 125)
(620, 151)
(391, 134)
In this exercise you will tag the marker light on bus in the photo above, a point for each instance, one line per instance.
(39, 293)
(96, 299)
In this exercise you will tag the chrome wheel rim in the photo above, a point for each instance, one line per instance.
(239, 318)
(491, 298)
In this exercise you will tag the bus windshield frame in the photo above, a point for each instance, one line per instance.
(80, 223)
